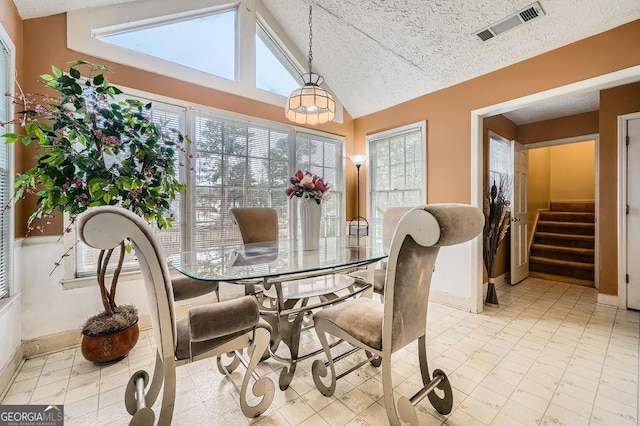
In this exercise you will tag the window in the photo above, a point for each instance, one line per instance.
(235, 47)
(214, 54)
(500, 163)
(274, 72)
(6, 86)
(322, 156)
(238, 162)
(397, 170)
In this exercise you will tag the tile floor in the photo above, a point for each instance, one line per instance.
(549, 355)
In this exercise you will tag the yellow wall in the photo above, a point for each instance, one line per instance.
(539, 185)
(572, 172)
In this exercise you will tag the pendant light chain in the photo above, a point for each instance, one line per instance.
(310, 39)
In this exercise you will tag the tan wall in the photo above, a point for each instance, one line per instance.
(613, 102)
(539, 192)
(45, 40)
(448, 114)
(572, 172)
(559, 128)
(447, 111)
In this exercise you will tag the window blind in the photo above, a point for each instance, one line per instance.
(5, 178)
(396, 169)
(238, 164)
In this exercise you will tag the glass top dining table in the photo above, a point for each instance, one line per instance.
(294, 281)
(277, 260)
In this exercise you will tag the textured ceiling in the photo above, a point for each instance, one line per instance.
(378, 53)
(561, 107)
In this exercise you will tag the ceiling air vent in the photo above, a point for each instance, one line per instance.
(534, 10)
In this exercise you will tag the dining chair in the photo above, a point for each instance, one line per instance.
(383, 329)
(208, 330)
(390, 220)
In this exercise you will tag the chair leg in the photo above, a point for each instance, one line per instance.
(319, 368)
(138, 402)
(229, 368)
(387, 389)
(263, 387)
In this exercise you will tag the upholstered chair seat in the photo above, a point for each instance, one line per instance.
(185, 287)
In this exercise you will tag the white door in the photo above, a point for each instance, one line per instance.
(519, 214)
(633, 215)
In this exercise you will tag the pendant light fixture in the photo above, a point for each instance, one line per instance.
(310, 104)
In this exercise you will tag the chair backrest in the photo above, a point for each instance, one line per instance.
(412, 256)
(257, 224)
(390, 220)
(104, 228)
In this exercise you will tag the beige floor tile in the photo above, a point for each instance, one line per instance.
(296, 411)
(560, 416)
(337, 414)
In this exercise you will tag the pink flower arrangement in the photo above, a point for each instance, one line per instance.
(308, 185)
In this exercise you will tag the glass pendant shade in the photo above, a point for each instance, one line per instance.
(310, 104)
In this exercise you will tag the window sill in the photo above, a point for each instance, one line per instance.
(5, 303)
(69, 284)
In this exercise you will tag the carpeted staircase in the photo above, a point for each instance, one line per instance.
(563, 244)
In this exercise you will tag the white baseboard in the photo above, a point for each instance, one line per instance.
(10, 370)
(609, 300)
(450, 300)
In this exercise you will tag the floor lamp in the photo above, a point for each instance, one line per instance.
(356, 227)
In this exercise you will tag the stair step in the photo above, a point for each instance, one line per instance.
(565, 240)
(568, 264)
(573, 206)
(561, 278)
(575, 254)
(576, 270)
(562, 249)
(559, 216)
(556, 227)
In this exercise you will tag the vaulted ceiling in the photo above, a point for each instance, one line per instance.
(379, 53)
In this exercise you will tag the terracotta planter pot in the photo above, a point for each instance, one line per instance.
(110, 347)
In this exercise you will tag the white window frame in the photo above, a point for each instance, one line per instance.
(508, 172)
(8, 237)
(71, 280)
(420, 125)
(83, 26)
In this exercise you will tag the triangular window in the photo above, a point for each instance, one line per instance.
(205, 43)
(274, 72)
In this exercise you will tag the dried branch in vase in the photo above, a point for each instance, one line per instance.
(496, 221)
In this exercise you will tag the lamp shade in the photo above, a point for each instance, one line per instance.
(358, 160)
(310, 104)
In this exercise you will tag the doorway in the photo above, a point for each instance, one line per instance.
(562, 210)
(605, 81)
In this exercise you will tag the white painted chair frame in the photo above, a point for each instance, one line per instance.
(420, 225)
(104, 228)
